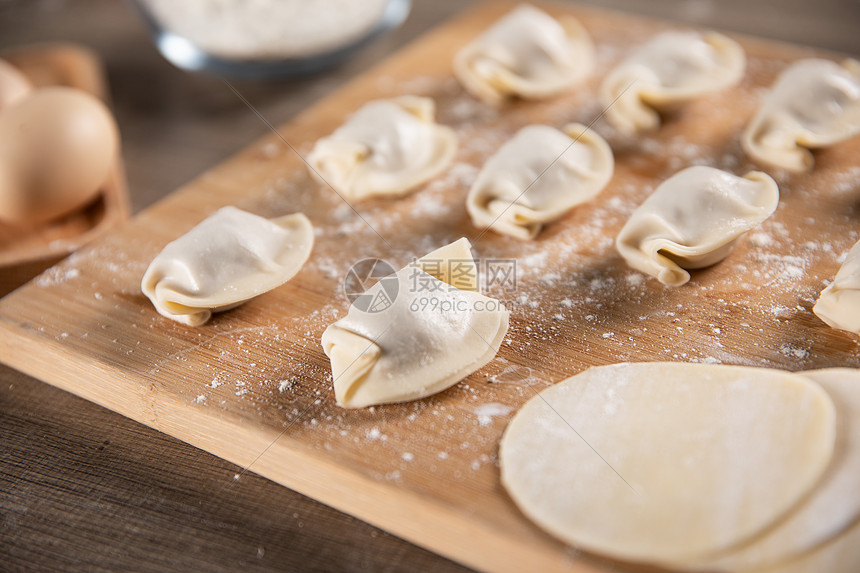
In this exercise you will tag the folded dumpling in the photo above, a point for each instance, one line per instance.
(527, 54)
(814, 103)
(387, 147)
(693, 219)
(227, 259)
(839, 304)
(671, 69)
(424, 336)
(537, 177)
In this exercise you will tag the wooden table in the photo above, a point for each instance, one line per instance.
(82, 488)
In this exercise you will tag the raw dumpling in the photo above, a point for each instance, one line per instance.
(664, 462)
(526, 54)
(814, 103)
(839, 304)
(672, 69)
(537, 177)
(427, 336)
(693, 220)
(387, 147)
(229, 258)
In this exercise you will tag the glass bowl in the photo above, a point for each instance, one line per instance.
(261, 39)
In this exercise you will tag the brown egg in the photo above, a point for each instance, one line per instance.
(13, 84)
(57, 146)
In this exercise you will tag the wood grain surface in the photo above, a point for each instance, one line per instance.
(116, 502)
(779, 348)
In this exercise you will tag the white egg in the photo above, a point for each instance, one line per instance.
(13, 84)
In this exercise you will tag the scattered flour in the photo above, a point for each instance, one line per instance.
(57, 275)
(486, 412)
(791, 351)
(572, 295)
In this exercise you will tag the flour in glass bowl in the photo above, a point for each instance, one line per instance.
(266, 29)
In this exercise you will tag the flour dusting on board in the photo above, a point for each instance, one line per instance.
(486, 412)
(574, 303)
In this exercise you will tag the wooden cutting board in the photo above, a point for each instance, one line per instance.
(254, 386)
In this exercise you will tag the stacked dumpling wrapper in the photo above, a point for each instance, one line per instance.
(691, 466)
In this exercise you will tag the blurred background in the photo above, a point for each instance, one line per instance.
(175, 125)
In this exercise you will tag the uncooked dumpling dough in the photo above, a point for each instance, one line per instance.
(668, 71)
(839, 304)
(527, 54)
(388, 147)
(229, 258)
(834, 503)
(537, 177)
(693, 220)
(710, 455)
(430, 335)
(814, 103)
(840, 555)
